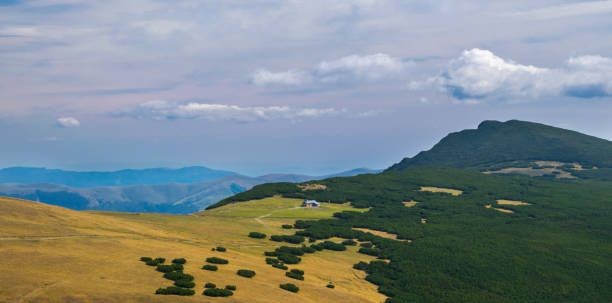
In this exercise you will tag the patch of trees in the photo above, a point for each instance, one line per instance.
(217, 292)
(257, 235)
(290, 287)
(183, 283)
(220, 249)
(173, 290)
(287, 226)
(217, 260)
(247, 273)
(349, 242)
(371, 251)
(210, 267)
(289, 259)
(179, 261)
(293, 239)
(295, 274)
(152, 262)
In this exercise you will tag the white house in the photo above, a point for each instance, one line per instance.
(311, 203)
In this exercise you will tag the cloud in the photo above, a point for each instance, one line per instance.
(567, 10)
(68, 122)
(349, 69)
(481, 75)
(164, 110)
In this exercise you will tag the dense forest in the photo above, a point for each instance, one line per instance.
(556, 249)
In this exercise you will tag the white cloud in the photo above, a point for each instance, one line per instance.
(68, 122)
(164, 110)
(481, 75)
(353, 68)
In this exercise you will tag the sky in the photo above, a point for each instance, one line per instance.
(310, 87)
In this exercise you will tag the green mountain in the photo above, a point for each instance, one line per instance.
(460, 235)
(495, 143)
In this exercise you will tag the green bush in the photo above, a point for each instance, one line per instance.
(160, 260)
(221, 249)
(178, 275)
(288, 239)
(369, 251)
(297, 271)
(294, 275)
(184, 284)
(361, 265)
(270, 254)
(288, 250)
(330, 285)
(308, 249)
(246, 273)
(168, 268)
(333, 246)
(290, 287)
(210, 285)
(215, 260)
(179, 261)
(230, 287)
(349, 242)
(272, 261)
(287, 226)
(366, 244)
(317, 247)
(145, 259)
(280, 266)
(257, 235)
(217, 292)
(289, 259)
(210, 267)
(152, 263)
(173, 290)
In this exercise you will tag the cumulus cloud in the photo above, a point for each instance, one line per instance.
(481, 75)
(68, 122)
(353, 68)
(164, 110)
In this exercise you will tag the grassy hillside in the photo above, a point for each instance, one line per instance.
(494, 143)
(550, 243)
(51, 254)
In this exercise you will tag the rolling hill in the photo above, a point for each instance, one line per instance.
(495, 144)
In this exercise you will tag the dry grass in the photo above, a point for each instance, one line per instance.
(51, 254)
(503, 210)
(382, 234)
(512, 202)
(432, 189)
(410, 203)
(312, 186)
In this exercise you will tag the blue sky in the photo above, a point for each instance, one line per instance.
(288, 86)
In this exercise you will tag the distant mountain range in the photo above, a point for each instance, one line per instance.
(180, 191)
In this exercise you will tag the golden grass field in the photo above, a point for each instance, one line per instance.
(52, 254)
(450, 191)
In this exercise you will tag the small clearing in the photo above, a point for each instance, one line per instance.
(312, 186)
(432, 189)
(410, 203)
(382, 234)
(503, 210)
(512, 202)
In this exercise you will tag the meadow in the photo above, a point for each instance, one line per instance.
(51, 254)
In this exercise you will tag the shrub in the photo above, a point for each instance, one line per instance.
(288, 239)
(284, 250)
(215, 260)
(270, 254)
(272, 261)
(246, 273)
(361, 265)
(366, 244)
(257, 235)
(210, 285)
(217, 292)
(297, 271)
(160, 260)
(289, 259)
(290, 287)
(230, 287)
(308, 249)
(330, 285)
(294, 275)
(349, 242)
(369, 251)
(184, 284)
(173, 290)
(221, 249)
(317, 247)
(210, 267)
(152, 263)
(178, 275)
(287, 226)
(280, 266)
(333, 246)
(169, 268)
(145, 259)
(179, 261)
